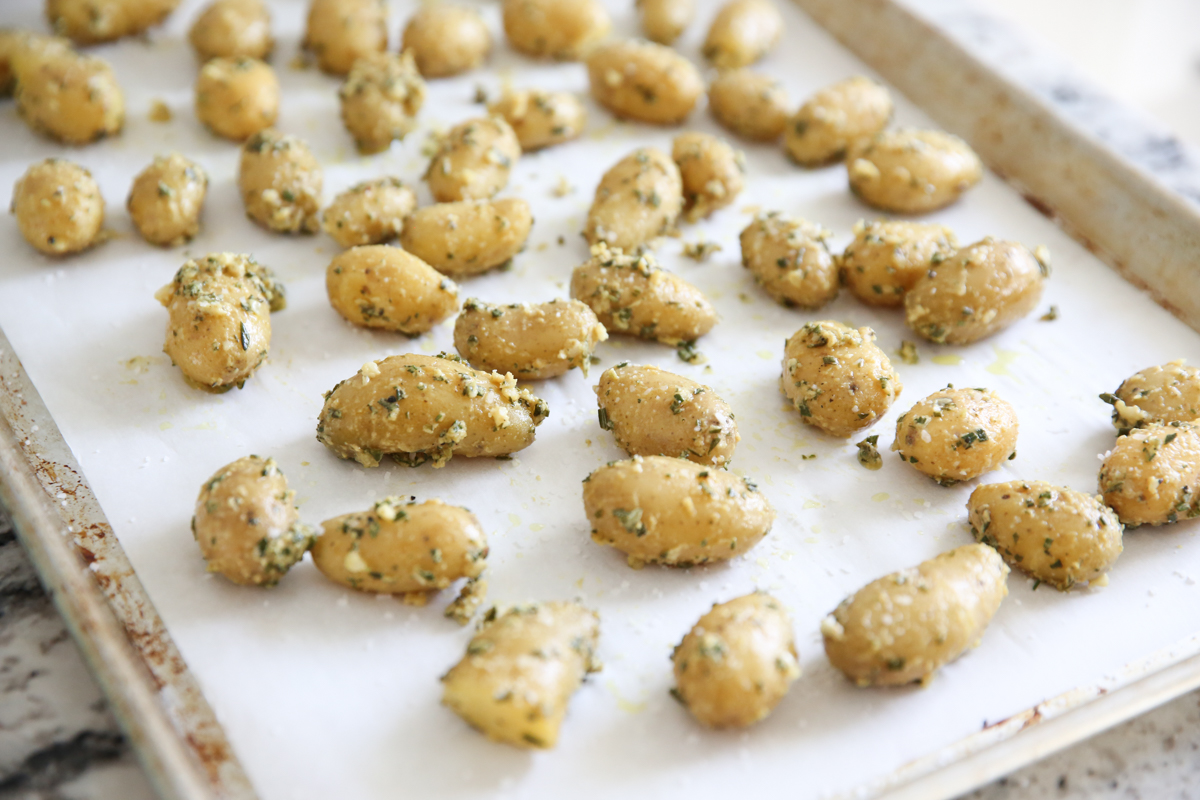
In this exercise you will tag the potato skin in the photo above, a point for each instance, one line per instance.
(906, 626)
(560, 29)
(533, 342)
(371, 212)
(1152, 474)
(742, 32)
(711, 172)
(339, 32)
(838, 378)
(232, 28)
(835, 118)
(474, 160)
(280, 181)
(379, 286)
(888, 257)
(639, 198)
(420, 408)
(912, 171)
(166, 199)
(751, 104)
(974, 293)
(632, 295)
(644, 81)
(789, 258)
(1166, 393)
(58, 206)
(520, 671)
(237, 97)
(468, 238)
(541, 119)
(446, 40)
(957, 434)
(654, 412)
(664, 510)
(380, 100)
(734, 667)
(664, 20)
(72, 98)
(93, 21)
(1054, 534)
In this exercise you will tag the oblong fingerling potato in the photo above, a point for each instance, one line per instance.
(92, 21)
(380, 100)
(957, 434)
(1166, 393)
(58, 206)
(743, 32)
(166, 198)
(541, 119)
(560, 29)
(232, 28)
(750, 104)
(835, 118)
(644, 81)
(371, 212)
(910, 171)
(665, 510)
(888, 257)
(427, 408)
(639, 198)
(71, 98)
(532, 342)
(1152, 474)
(280, 181)
(379, 286)
(339, 32)
(664, 20)
(474, 160)
(906, 626)
(446, 39)
(790, 259)
(470, 237)
(711, 172)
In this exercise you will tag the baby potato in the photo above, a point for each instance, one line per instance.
(905, 626)
(637, 199)
(664, 20)
(737, 663)
(280, 181)
(644, 81)
(654, 412)
(664, 510)
(446, 40)
(378, 286)
(421, 408)
(66, 96)
(58, 206)
(1152, 474)
(838, 378)
(340, 32)
(976, 292)
(711, 172)
(789, 258)
(402, 547)
(1056, 535)
(371, 212)
(632, 295)
(532, 342)
(474, 160)
(93, 21)
(166, 198)
(468, 238)
(1167, 393)
(910, 171)
(561, 29)
(237, 97)
(888, 257)
(247, 525)
(957, 434)
(541, 119)
(743, 32)
(380, 100)
(520, 670)
(232, 29)
(750, 104)
(835, 118)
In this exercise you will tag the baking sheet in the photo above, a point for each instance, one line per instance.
(324, 692)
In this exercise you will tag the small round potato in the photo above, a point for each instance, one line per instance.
(743, 32)
(446, 39)
(380, 100)
(737, 663)
(237, 97)
(378, 286)
(957, 434)
(1053, 534)
(750, 104)
(976, 292)
(541, 119)
(280, 181)
(532, 342)
(474, 160)
(561, 29)
(905, 626)
(219, 323)
(166, 198)
(835, 118)
(1167, 393)
(340, 32)
(711, 172)
(639, 198)
(644, 81)
(468, 238)
(632, 295)
(654, 412)
(664, 510)
(790, 259)
(69, 97)
(21, 52)
(888, 257)
(247, 525)
(1152, 474)
(232, 29)
(911, 171)
(371, 212)
(93, 21)
(838, 378)
(58, 207)
(664, 20)
(420, 408)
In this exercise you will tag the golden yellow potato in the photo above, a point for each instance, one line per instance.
(1054, 534)
(468, 238)
(541, 119)
(644, 81)
(1152, 474)
(639, 198)
(737, 663)
(743, 32)
(976, 292)
(446, 39)
(790, 259)
(69, 97)
(232, 29)
(379, 286)
(835, 118)
(22, 51)
(711, 172)
(837, 377)
(749, 103)
(371, 212)
(58, 206)
(520, 670)
(280, 181)
(664, 20)
(911, 171)
(664, 510)
(887, 257)
(561, 29)
(339, 32)
(166, 198)
(906, 626)
(420, 408)
(957, 434)
(237, 97)
(474, 160)
(380, 100)
(1167, 393)
(92, 21)
(532, 342)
